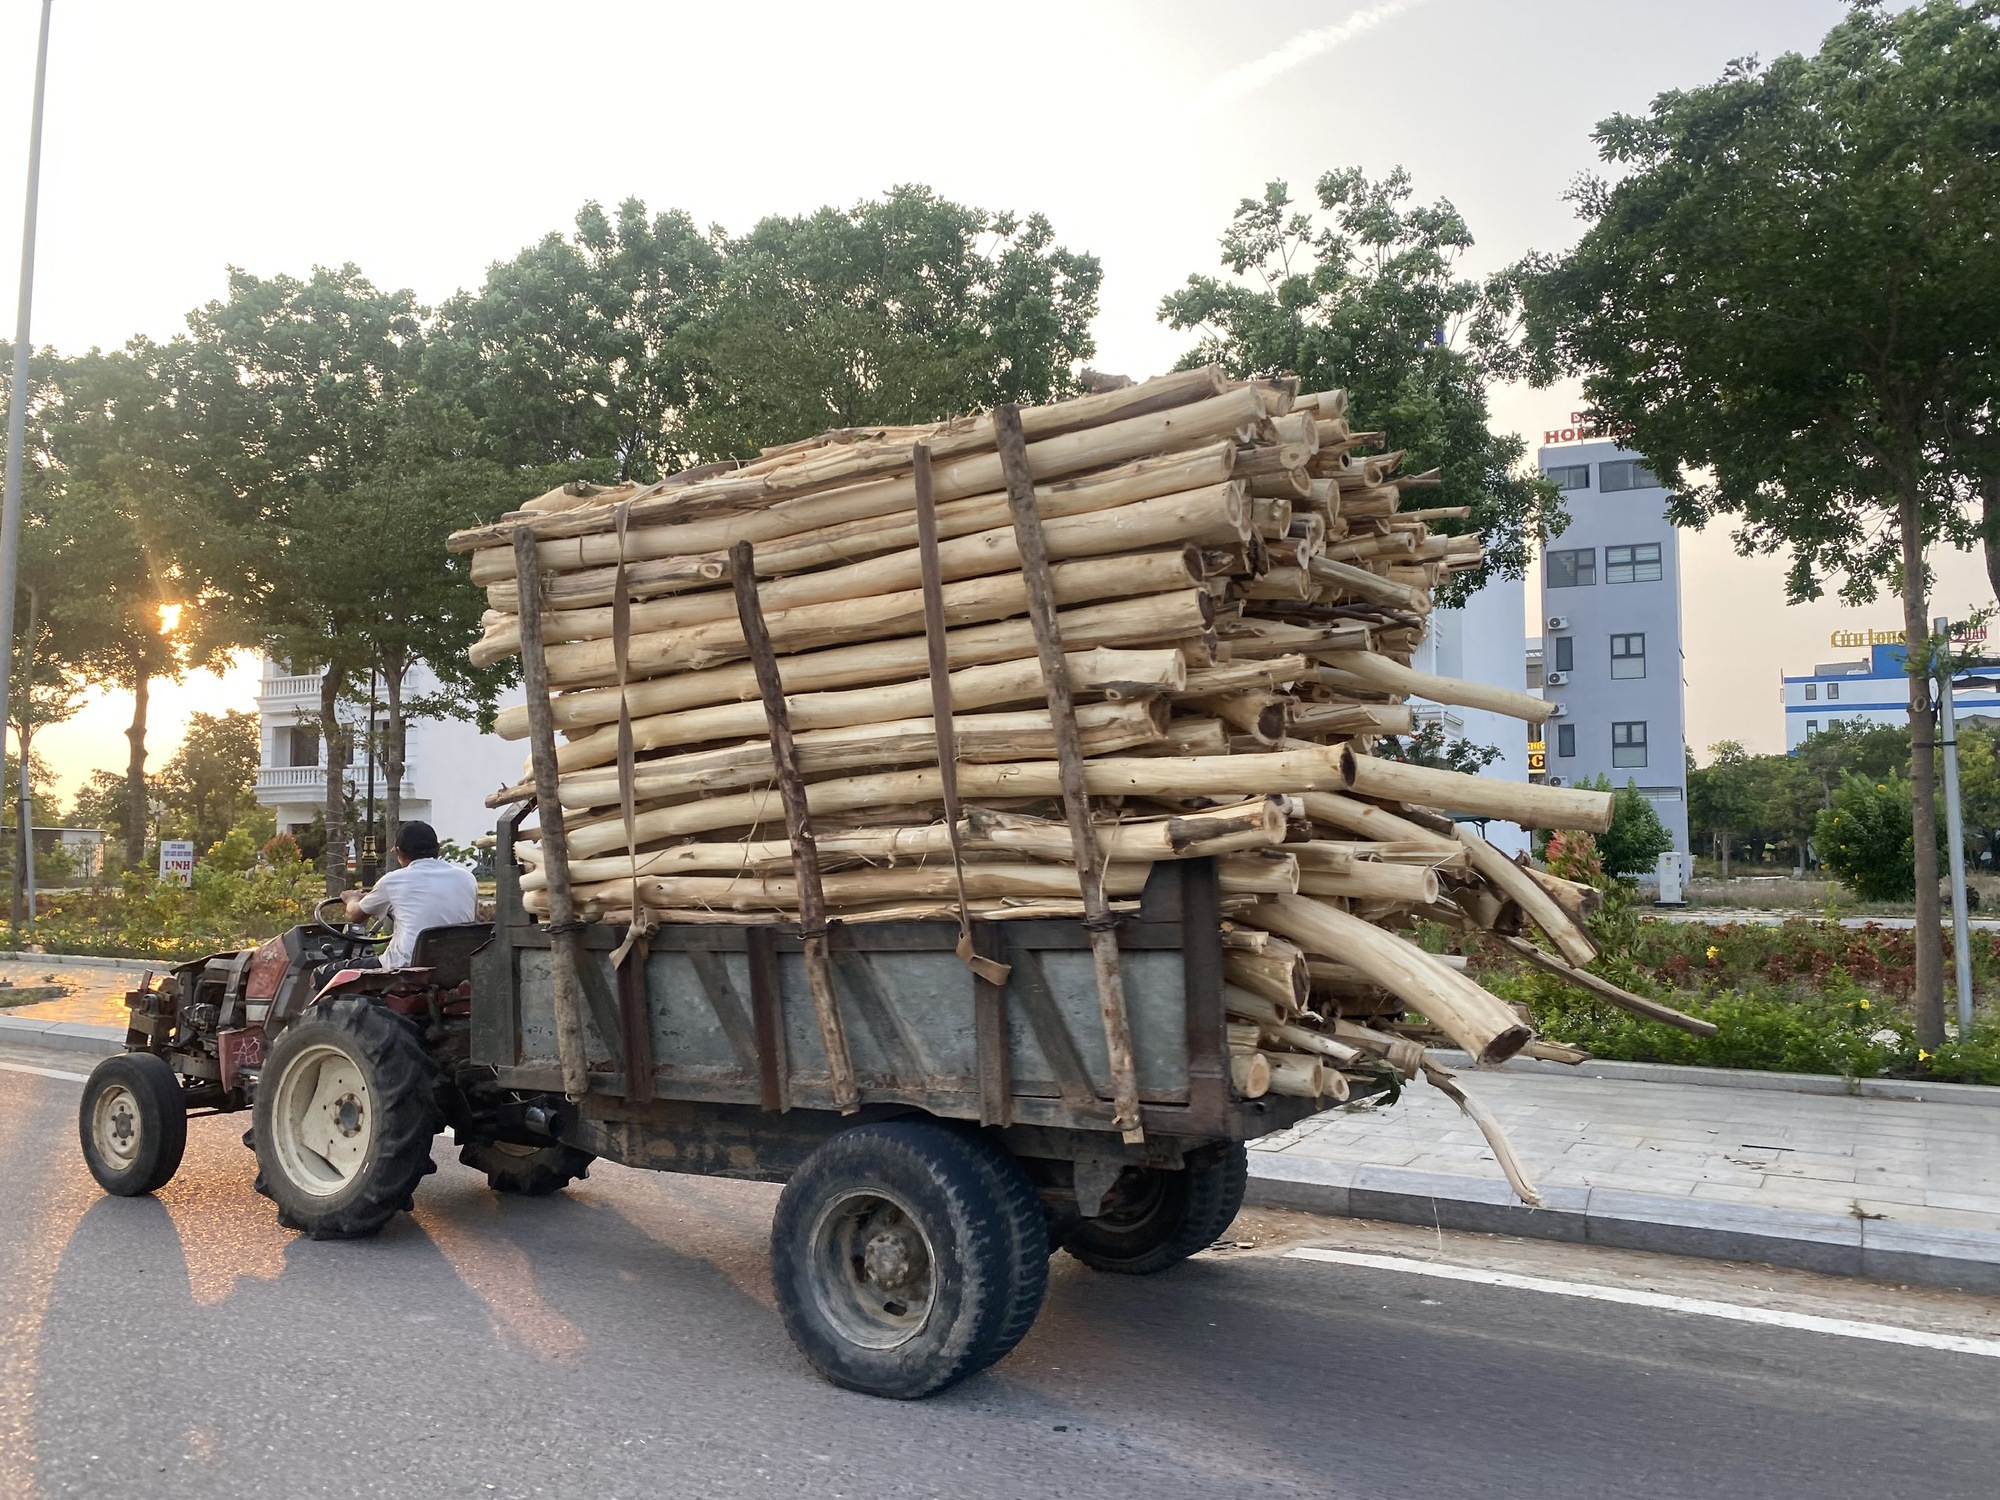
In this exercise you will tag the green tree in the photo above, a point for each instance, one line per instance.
(1431, 746)
(574, 357)
(902, 309)
(210, 784)
(1721, 799)
(1790, 300)
(302, 383)
(1637, 838)
(1366, 297)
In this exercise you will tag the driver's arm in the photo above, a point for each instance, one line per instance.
(352, 900)
(373, 903)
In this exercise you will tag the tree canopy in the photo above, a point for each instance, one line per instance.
(1364, 294)
(1789, 302)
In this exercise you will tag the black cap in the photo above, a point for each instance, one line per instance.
(417, 841)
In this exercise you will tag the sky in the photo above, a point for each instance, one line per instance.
(423, 140)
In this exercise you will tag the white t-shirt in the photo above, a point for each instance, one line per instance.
(424, 893)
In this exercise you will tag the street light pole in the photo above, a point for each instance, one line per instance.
(1961, 939)
(17, 402)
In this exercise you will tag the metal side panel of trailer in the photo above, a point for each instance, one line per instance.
(723, 1018)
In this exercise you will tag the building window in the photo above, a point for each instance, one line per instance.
(1626, 474)
(1812, 726)
(1628, 743)
(1576, 568)
(1565, 653)
(1639, 563)
(301, 746)
(1832, 690)
(1570, 476)
(1812, 692)
(1566, 741)
(1628, 656)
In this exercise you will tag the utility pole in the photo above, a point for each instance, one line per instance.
(17, 403)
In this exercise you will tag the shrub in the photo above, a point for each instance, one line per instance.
(1637, 838)
(1864, 838)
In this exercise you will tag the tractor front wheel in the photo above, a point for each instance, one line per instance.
(347, 1108)
(133, 1124)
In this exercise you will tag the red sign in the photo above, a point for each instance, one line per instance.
(1579, 430)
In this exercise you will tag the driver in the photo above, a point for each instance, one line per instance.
(423, 892)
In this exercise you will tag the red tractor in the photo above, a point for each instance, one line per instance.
(348, 1070)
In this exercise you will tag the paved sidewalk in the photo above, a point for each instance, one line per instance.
(1898, 1187)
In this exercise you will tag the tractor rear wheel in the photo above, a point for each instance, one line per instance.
(532, 1171)
(1154, 1218)
(347, 1108)
(133, 1124)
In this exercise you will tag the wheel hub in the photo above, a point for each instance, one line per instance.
(874, 1276)
(890, 1259)
(115, 1123)
(347, 1115)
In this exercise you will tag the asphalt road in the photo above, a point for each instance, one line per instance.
(620, 1341)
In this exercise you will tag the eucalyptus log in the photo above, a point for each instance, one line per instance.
(1392, 677)
(1145, 620)
(1249, 1074)
(1604, 989)
(1295, 1074)
(1530, 806)
(1477, 1021)
(1497, 870)
(1370, 881)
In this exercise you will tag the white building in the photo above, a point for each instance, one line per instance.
(449, 766)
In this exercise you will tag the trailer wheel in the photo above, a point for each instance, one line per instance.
(531, 1171)
(905, 1258)
(346, 1111)
(1154, 1218)
(133, 1124)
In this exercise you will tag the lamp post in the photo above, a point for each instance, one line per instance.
(17, 395)
(1961, 942)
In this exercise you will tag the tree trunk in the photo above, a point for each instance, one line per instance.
(333, 754)
(1989, 527)
(393, 672)
(1723, 839)
(1923, 776)
(135, 774)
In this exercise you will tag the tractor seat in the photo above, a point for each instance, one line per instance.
(447, 951)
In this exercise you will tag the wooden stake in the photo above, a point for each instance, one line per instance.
(798, 823)
(1076, 801)
(565, 953)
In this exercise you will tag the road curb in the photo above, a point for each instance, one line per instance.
(1834, 1244)
(85, 960)
(61, 1036)
(1908, 1090)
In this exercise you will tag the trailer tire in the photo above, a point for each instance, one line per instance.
(905, 1258)
(531, 1171)
(347, 1108)
(132, 1123)
(1156, 1218)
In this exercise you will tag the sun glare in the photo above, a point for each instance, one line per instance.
(170, 618)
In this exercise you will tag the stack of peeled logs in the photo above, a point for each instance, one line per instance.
(1173, 620)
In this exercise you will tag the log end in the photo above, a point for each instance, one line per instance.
(1507, 1044)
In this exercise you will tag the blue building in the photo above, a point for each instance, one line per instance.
(1864, 691)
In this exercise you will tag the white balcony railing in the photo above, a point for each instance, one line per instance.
(308, 783)
(290, 689)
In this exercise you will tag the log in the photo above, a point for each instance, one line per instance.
(848, 541)
(1475, 1020)
(1217, 514)
(1387, 676)
(1299, 1039)
(1399, 1052)
(1372, 822)
(1256, 712)
(1118, 675)
(1369, 881)
(1295, 1074)
(1530, 806)
(972, 601)
(1278, 976)
(1497, 870)
(1363, 584)
(1503, 1149)
(1249, 1074)
(578, 539)
(1604, 989)
(1122, 622)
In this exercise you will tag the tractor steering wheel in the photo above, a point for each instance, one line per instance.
(351, 932)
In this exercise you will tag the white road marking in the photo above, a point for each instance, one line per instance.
(1884, 1333)
(45, 1072)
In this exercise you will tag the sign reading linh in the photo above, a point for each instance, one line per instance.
(177, 860)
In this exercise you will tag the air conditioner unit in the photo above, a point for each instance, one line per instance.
(1559, 711)
(1555, 679)
(1553, 781)
(1558, 622)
